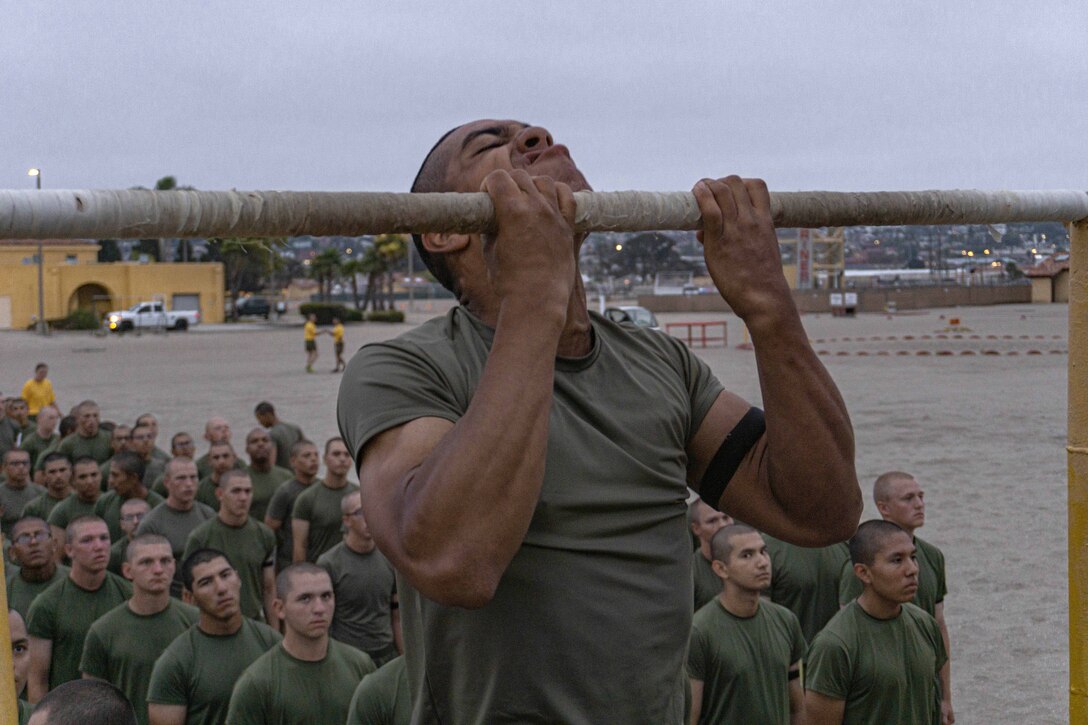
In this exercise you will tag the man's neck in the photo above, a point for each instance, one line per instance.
(358, 544)
(739, 602)
(231, 520)
(138, 492)
(17, 485)
(219, 627)
(877, 606)
(39, 573)
(305, 649)
(87, 579)
(261, 466)
(304, 479)
(704, 549)
(335, 481)
(44, 434)
(93, 499)
(179, 506)
(147, 603)
(83, 434)
(58, 496)
(576, 339)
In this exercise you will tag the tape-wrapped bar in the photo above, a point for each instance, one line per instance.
(143, 214)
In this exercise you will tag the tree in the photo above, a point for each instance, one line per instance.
(325, 268)
(247, 263)
(379, 263)
(352, 269)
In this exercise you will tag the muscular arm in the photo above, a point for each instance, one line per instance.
(696, 700)
(798, 483)
(823, 710)
(947, 714)
(300, 539)
(797, 697)
(166, 714)
(272, 523)
(449, 504)
(41, 655)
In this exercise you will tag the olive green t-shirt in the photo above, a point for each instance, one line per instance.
(42, 506)
(205, 493)
(284, 435)
(118, 549)
(34, 444)
(744, 663)
(122, 646)
(21, 593)
(70, 508)
(364, 585)
(320, 505)
(25, 711)
(108, 507)
(175, 526)
(806, 581)
(707, 584)
(602, 582)
(198, 670)
(64, 612)
(383, 697)
(280, 508)
(931, 581)
(886, 670)
(13, 501)
(97, 446)
(265, 485)
(251, 549)
(278, 689)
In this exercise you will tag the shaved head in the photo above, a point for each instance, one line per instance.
(870, 538)
(882, 488)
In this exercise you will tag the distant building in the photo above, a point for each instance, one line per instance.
(74, 279)
(1050, 279)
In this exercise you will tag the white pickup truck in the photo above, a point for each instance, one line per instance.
(145, 315)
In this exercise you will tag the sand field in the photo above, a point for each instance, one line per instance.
(976, 410)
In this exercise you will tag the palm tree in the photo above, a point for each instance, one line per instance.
(352, 269)
(325, 268)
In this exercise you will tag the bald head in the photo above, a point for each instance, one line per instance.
(216, 430)
(884, 486)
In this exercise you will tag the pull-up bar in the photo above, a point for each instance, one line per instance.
(141, 214)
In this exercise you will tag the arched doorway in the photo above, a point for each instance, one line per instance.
(91, 296)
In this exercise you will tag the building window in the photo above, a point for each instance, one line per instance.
(71, 259)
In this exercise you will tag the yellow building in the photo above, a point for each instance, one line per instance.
(73, 279)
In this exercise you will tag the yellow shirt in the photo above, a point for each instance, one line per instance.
(309, 331)
(338, 333)
(38, 395)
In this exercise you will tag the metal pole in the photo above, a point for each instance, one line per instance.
(1078, 474)
(144, 214)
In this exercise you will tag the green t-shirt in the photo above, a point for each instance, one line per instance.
(931, 582)
(278, 689)
(122, 647)
(42, 506)
(320, 505)
(280, 508)
(364, 585)
(64, 612)
(70, 508)
(175, 526)
(34, 444)
(21, 593)
(744, 663)
(205, 493)
(602, 582)
(108, 508)
(251, 549)
(97, 446)
(118, 550)
(806, 581)
(265, 485)
(284, 435)
(707, 584)
(886, 670)
(25, 711)
(13, 501)
(199, 670)
(383, 697)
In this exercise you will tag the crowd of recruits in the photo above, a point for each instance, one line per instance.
(107, 582)
(865, 619)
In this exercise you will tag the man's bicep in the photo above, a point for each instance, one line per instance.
(823, 710)
(384, 463)
(166, 714)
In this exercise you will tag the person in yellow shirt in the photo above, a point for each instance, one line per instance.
(309, 335)
(338, 343)
(38, 391)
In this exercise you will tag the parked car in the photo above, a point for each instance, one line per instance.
(634, 315)
(253, 307)
(151, 315)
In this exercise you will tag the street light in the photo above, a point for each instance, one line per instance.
(37, 174)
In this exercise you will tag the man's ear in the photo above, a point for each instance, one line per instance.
(861, 571)
(719, 567)
(441, 243)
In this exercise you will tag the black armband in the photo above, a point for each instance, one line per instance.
(728, 458)
(793, 674)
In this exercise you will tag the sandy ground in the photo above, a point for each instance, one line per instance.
(984, 433)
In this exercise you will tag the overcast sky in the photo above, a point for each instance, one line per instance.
(351, 95)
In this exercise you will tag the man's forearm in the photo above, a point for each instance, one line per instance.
(810, 443)
(465, 509)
